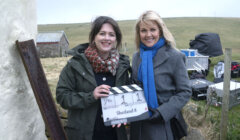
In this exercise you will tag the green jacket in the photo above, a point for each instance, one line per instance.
(75, 93)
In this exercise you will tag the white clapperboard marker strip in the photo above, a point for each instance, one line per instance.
(137, 87)
(125, 89)
(115, 90)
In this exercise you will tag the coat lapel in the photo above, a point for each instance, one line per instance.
(138, 59)
(161, 56)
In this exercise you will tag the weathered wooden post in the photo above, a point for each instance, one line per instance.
(226, 89)
(40, 88)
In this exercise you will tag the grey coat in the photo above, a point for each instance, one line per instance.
(173, 92)
(75, 93)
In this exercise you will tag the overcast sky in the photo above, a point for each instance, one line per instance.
(79, 11)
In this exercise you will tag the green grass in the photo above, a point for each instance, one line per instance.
(214, 117)
(184, 30)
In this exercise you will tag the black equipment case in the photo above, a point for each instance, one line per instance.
(199, 88)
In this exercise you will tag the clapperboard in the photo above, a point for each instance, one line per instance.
(124, 104)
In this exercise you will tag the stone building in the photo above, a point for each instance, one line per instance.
(52, 44)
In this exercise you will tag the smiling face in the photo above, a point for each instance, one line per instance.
(149, 33)
(105, 40)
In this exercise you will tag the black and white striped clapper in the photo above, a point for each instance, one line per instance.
(125, 89)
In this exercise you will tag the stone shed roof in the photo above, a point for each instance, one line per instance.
(44, 37)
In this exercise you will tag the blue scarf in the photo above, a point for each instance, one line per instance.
(146, 73)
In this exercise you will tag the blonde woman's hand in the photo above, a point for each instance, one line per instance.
(101, 91)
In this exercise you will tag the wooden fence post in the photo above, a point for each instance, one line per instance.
(226, 92)
(41, 89)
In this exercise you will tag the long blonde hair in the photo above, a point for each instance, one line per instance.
(154, 17)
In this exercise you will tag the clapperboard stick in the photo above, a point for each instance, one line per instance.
(40, 88)
(124, 89)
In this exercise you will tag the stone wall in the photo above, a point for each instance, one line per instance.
(64, 46)
(49, 49)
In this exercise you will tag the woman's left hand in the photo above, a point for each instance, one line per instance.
(101, 91)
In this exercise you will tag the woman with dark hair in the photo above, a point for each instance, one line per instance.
(160, 68)
(87, 77)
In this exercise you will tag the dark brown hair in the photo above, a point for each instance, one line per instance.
(97, 25)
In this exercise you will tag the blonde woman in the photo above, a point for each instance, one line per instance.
(160, 68)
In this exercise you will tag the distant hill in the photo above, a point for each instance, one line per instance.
(183, 29)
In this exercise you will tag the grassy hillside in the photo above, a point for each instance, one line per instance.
(183, 29)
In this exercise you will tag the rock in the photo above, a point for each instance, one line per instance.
(194, 134)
